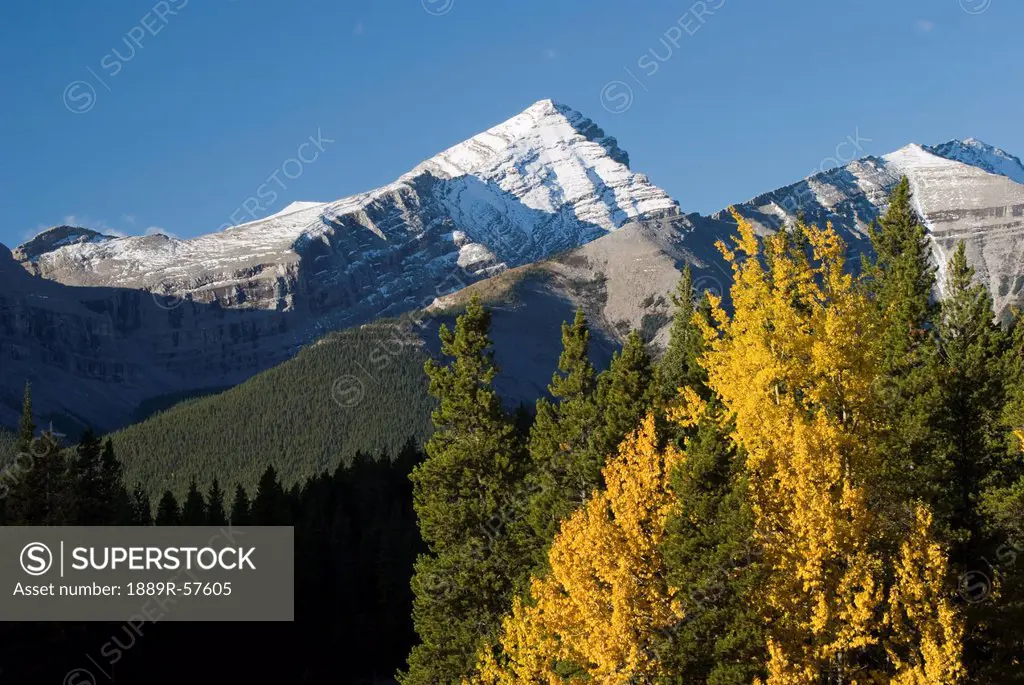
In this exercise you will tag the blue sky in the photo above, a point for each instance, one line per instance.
(128, 116)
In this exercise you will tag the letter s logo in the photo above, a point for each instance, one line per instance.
(36, 558)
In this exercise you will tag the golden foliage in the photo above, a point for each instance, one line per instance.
(794, 365)
(920, 613)
(599, 608)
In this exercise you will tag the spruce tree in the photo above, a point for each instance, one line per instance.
(464, 493)
(900, 278)
(973, 393)
(40, 493)
(996, 654)
(270, 504)
(572, 439)
(167, 511)
(241, 510)
(902, 274)
(215, 515)
(679, 367)
(117, 509)
(193, 513)
(710, 553)
(85, 469)
(142, 509)
(566, 467)
(625, 393)
(983, 461)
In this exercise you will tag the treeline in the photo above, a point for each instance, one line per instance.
(361, 390)
(822, 485)
(355, 543)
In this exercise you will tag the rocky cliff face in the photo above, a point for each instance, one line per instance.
(95, 354)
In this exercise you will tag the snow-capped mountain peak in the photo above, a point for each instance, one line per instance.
(982, 155)
(544, 181)
(549, 156)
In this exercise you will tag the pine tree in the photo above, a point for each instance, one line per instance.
(680, 366)
(998, 657)
(270, 504)
(40, 493)
(167, 511)
(566, 467)
(85, 469)
(464, 493)
(193, 513)
(241, 510)
(901, 276)
(711, 554)
(901, 280)
(983, 461)
(215, 515)
(117, 509)
(973, 393)
(625, 393)
(142, 509)
(15, 473)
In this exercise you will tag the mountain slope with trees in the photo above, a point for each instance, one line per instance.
(359, 390)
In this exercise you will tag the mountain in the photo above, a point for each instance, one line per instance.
(623, 280)
(155, 316)
(540, 213)
(546, 180)
(985, 157)
(956, 193)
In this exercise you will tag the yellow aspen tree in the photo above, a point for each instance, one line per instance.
(794, 366)
(599, 608)
(920, 614)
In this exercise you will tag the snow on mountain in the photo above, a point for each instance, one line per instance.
(964, 201)
(546, 180)
(624, 280)
(55, 238)
(956, 189)
(226, 305)
(552, 157)
(981, 155)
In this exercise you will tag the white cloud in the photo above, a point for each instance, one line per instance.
(98, 225)
(128, 219)
(360, 29)
(550, 54)
(157, 230)
(924, 25)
